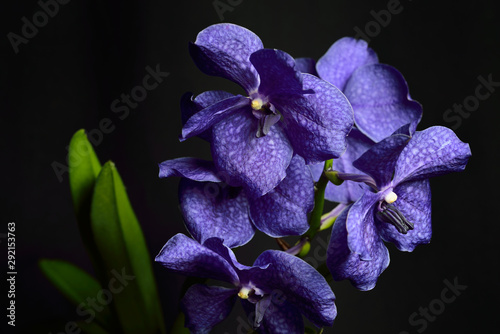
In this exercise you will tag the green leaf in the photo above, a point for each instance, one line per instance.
(84, 167)
(121, 244)
(77, 286)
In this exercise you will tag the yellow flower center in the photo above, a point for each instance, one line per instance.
(244, 291)
(257, 104)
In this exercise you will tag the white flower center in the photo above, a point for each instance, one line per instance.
(391, 197)
(244, 291)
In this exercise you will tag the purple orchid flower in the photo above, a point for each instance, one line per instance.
(397, 206)
(213, 208)
(380, 99)
(279, 287)
(377, 92)
(285, 112)
(347, 192)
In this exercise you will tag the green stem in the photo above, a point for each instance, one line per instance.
(319, 204)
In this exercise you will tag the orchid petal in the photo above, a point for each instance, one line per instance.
(215, 210)
(342, 59)
(345, 264)
(258, 164)
(379, 96)
(224, 50)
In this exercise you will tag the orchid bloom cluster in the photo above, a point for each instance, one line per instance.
(341, 129)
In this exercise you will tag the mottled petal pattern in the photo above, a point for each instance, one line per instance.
(349, 192)
(300, 283)
(306, 65)
(184, 255)
(215, 210)
(190, 168)
(283, 211)
(277, 72)
(257, 163)
(280, 318)
(191, 105)
(432, 152)
(206, 306)
(245, 273)
(206, 118)
(317, 124)
(342, 59)
(379, 96)
(224, 50)
(316, 170)
(414, 202)
(380, 159)
(362, 235)
(344, 264)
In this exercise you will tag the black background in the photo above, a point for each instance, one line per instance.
(91, 52)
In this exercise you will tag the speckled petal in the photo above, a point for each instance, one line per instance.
(379, 96)
(414, 202)
(186, 256)
(224, 50)
(432, 152)
(245, 273)
(259, 164)
(344, 264)
(362, 234)
(379, 161)
(316, 170)
(280, 317)
(277, 72)
(283, 210)
(306, 65)
(317, 124)
(215, 210)
(299, 283)
(191, 168)
(206, 118)
(342, 59)
(206, 306)
(349, 192)
(191, 105)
